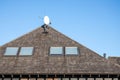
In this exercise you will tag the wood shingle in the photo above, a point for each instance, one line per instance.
(86, 62)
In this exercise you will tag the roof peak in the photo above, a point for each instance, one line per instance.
(86, 61)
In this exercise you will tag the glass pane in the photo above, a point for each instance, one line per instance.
(7, 78)
(40, 78)
(15, 78)
(65, 78)
(82, 79)
(115, 78)
(11, 51)
(71, 50)
(32, 78)
(24, 79)
(99, 78)
(108, 78)
(73, 78)
(56, 50)
(49, 78)
(90, 78)
(26, 51)
(57, 78)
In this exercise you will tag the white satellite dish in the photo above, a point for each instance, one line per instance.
(46, 20)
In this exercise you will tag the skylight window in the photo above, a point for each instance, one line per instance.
(26, 51)
(11, 51)
(71, 50)
(56, 50)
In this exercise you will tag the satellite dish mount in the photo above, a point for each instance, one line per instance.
(46, 24)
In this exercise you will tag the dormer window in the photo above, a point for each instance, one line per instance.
(56, 50)
(11, 51)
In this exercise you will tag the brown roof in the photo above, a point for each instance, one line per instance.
(115, 60)
(41, 62)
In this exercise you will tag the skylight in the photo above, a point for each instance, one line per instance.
(71, 50)
(26, 51)
(56, 50)
(11, 51)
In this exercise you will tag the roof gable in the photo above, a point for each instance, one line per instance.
(41, 62)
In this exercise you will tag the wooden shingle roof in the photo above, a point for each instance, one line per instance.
(41, 62)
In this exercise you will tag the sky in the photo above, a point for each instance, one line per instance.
(93, 23)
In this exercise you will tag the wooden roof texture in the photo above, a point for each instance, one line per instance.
(41, 62)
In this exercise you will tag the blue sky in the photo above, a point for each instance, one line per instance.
(93, 23)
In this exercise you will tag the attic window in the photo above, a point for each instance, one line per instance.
(11, 51)
(56, 50)
(71, 50)
(26, 51)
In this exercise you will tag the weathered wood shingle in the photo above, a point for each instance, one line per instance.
(41, 62)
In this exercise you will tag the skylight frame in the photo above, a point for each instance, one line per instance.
(11, 51)
(53, 52)
(69, 51)
(23, 51)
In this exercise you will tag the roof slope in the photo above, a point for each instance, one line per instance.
(41, 62)
(115, 60)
